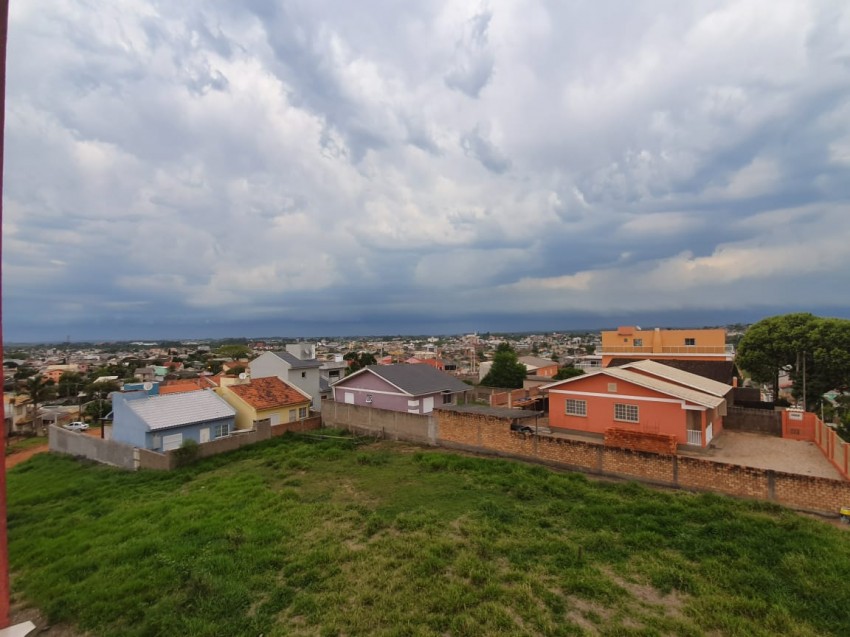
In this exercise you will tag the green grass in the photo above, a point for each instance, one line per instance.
(16, 444)
(320, 537)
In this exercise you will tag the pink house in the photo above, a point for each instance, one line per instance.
(644, 396)
(414, 389)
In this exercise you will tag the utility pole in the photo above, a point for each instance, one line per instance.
(4, 546)
(805, 405)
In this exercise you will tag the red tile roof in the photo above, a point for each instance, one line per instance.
(179, 386)
(267, 393)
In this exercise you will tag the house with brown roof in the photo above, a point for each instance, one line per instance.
(266, 398)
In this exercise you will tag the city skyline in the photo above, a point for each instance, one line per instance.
(190, 171)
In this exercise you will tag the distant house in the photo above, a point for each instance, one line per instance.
(162, 423)
(297, 366)
(186, 384)
(646, 396)
(266, 398)
(415, 389)
(536, 366)
(436, 363)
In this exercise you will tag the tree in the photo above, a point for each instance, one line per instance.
(24, 372)
(70, 384)
(815, 351)
(506, 370)
(568, 372)
(214, 366)
(39, 390)
(234, 352)
(99, 404)
(359, 360)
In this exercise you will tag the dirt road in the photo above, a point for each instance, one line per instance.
(22, 456)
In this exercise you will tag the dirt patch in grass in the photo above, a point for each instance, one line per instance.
(672, 602)
(588, 615)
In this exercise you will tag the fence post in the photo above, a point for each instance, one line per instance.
(771, 484)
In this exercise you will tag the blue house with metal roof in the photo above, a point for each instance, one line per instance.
(162, 423)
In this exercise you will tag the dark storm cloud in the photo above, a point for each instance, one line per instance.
(171, 165)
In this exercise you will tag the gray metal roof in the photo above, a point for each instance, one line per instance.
(176, 410)
(297, 363)
(642, 380)
(680, 376)
(536, 361)
(416, 379)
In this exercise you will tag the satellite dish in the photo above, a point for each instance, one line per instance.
(243, 376)
(148, 386)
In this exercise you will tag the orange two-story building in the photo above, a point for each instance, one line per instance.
(662, 344)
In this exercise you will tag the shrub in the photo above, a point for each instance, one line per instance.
(187, 453)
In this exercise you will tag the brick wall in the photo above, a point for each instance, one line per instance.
(640, 441)
(478, 432)
(642, 465)
(308, 424)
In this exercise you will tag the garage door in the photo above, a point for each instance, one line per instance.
(172, 442)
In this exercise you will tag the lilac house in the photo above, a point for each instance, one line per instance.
(415, 389)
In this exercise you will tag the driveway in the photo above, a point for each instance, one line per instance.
(769, 452)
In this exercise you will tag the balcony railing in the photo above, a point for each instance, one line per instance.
(679, 349)
(695, 438)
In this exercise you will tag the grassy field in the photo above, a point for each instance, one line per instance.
(16, 444)
(303, 537)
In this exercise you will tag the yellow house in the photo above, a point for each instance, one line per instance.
(661, 345)
(264, 398)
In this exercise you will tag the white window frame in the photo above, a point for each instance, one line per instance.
(302, 413)
(579, 407)
(218, 429)
(293, 415)
(626, 413)
(448, 399)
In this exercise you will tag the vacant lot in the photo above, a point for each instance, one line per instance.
(304, 537)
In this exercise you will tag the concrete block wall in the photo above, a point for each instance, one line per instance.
(85, 446)
(395, 425)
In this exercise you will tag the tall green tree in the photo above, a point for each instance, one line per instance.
(70, 384)
(814, 350)
(38, 389)
(506, 370)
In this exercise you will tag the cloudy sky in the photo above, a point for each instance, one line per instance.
(211, 168)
